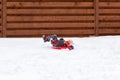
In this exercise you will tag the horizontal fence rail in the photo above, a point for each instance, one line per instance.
(33, 18)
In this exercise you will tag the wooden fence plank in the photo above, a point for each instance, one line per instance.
(105, 18)
(0, 28)
(50, 18)
(109, 0)
(96, 16)
(50, 0)
(109, 31)
(0, 34)
(40, 32)
(50, 4)
(109, 11)
(1, 13)
(50, 11)
(109, 24)
(49, 25)
(109, 4)
(4, 17)
(0, 6)
(0, 18)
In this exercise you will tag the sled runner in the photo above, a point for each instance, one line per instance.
(64, 47)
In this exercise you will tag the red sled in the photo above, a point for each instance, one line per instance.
(63, 47)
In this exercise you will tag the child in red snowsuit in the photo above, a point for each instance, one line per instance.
(57, 42)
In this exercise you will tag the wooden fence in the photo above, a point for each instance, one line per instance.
(109, 17)
(33, 18)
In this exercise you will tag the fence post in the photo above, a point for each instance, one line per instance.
(96, 7)
(0, 18)
(4, 17)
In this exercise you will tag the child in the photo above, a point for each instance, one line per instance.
(58, 42)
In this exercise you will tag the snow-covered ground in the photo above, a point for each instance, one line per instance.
(94, 58)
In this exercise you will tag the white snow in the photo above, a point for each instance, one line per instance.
(94, 58)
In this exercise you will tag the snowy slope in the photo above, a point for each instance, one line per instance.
(94, 58)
